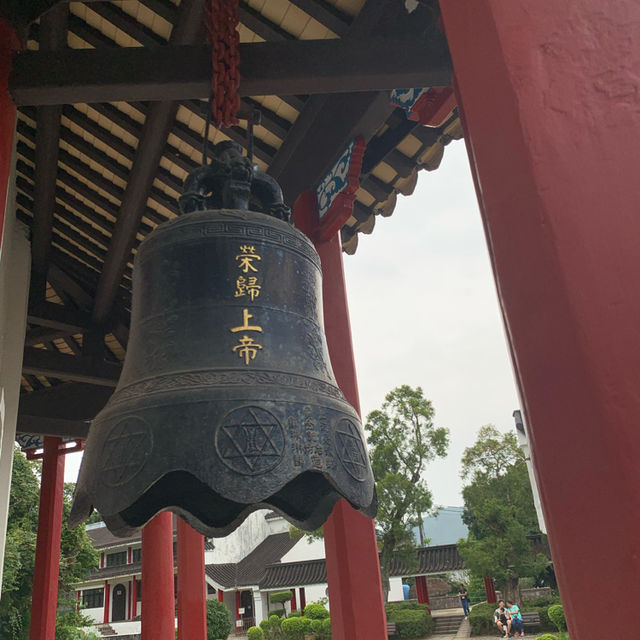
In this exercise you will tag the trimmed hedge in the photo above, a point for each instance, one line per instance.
(218, 621)
(547, 636)
(556, 615)
(316, 611)
(280, 596)
(293, 628)
(481, 619)
(413, 620)
(321, 627)
(271, 628)
(255, 633)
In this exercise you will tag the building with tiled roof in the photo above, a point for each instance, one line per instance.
(241, 570)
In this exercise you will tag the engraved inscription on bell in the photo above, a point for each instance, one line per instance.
(250, 441)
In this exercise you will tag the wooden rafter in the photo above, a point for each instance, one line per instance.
(158, 124)
(267, 68)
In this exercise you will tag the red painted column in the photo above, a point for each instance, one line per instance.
(549, 92)
(158, 621)
(422, 589)
(45, 574)
(220, 595)
(9, 44)
(303, 600)
(294, 604)
(107, 600)
(192, 591)
(134, 598)
(490, 590)
(353, 567)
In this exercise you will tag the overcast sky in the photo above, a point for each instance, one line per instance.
(424, 312)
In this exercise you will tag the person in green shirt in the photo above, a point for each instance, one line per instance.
(517, 625)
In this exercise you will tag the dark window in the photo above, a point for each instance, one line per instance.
(116, 559)
(93, 598)
(136, 555)
(139, 590)
(210, 589)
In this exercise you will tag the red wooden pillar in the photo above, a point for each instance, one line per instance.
(45, 574)
(134, 598)
(549, 92)
(294, 604)
(158, 621)
(353, 568)
(490, 590)
(9, 44)
(303, 600)
(220, 595)
(107, 601)
(422, 589)
(192, 591)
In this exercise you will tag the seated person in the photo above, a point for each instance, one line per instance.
(517, 624)
(502, 619)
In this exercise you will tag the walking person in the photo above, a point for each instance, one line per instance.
(463, 594)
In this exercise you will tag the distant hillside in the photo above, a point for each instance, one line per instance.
(444, 528)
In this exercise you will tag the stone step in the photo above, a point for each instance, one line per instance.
(447, 625)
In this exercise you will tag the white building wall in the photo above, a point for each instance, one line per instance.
(305, 550)
(243, 540)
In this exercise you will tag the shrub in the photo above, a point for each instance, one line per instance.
(277, 597)
(543, 611)
(481, 619)
(556, 615)
(279, 613)
(271, 628)
(412, 624)
(218, 621)
(316, 611)
(293, 628)
(321, 627)
(255, 633)
(295, 613)
(547, 636)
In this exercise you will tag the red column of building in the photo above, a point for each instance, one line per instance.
(47, 563)
(303, 600)
(192, 591)
(490, 590)
(9, 44)
(353, 567)
(107, 601)
(220, 595)
(550, 97)
(134, 598)
(158, 621)
(294, 604)
(422, 589)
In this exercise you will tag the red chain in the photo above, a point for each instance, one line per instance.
(222, 20)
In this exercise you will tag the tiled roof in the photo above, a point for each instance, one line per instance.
(295, 574)
(250, 570)
(115, 572)
(298, 574)
(102, 538)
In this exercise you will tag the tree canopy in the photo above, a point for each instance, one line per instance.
(499, 511)
(77, 557)
(402, 441)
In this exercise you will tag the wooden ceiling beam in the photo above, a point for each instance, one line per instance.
(326, 14)
(41, 362)
(53, 37)
(58, 317)
(158, 124)
(267, 68)
(67, 401)
(56, 427)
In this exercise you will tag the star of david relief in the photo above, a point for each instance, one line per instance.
(125, 451)
(351, 449)
(250, 441)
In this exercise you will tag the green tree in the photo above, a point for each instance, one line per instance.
(402, 441)
(77, 557)
(499, 512)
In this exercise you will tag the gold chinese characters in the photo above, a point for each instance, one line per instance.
(247, 285)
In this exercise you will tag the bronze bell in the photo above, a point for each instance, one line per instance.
(227, 401)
